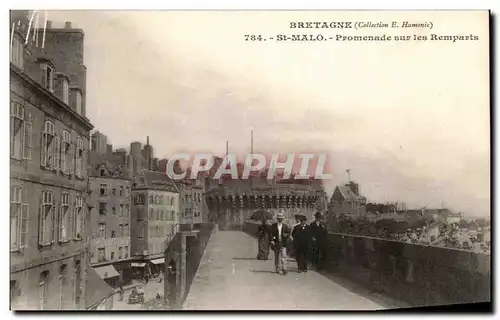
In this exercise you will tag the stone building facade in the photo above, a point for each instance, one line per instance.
(154, 218)
(193, 207)
(49, 140)
(229, 207)
(110, 226)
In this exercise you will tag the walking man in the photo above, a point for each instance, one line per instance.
(300, 236)
(280, 233)
(318, 237)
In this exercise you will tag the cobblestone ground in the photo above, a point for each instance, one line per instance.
(231, 278)
(150, 291)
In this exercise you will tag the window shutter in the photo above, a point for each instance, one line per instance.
(53, 221)
(41, 226)
(24, 225)
(28, 132)
(72, 158)
(57, 153)
(60, 220)
(43, 161)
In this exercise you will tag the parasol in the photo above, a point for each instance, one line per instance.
(261, 214)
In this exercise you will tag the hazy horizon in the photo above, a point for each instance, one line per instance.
(410, 121)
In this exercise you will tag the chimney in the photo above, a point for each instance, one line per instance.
(67, 25)
(48, 25)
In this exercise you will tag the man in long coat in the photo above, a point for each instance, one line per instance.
(300, 236)
(319, 237)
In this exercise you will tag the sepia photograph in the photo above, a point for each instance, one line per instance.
(260, 160)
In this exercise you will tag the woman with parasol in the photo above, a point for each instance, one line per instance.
(263, 235)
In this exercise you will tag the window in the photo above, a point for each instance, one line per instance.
(114, 191)
(121, 230)
(151, 199)
(102, 208)
(15, 292)
(78, 101)
(120, 252)
(66, 153)
(125, 230)
(78, 218)
(139, 199)
(103, 190)
(78, 289)
(47, 232)
(121, 191)
(79, 163)
(150, 215)
(102, 254)
(17, 51)
(20, 132)
(62, 284)
(157, 199)
(65, 91)
(102, 230)
(126, 251)
(121, 210)
(50, 147)
(157, 215)
(157, 231)
(172, 201)
(140, 214)
(141, 232)
(43, 288)
(18, 219)
(113, 234)
(113, 211)
(127, 210)
(112, 256)
(64, 216)
(47, 77)
(161, 199)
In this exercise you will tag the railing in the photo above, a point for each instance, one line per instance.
(413, 273)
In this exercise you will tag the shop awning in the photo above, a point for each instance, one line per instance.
(158, 261)
(106, 272)
(138, 264)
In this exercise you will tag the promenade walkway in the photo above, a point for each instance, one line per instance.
(231, 278)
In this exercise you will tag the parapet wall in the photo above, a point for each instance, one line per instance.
(416, 274)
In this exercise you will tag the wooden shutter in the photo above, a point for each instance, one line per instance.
(24, 225)
(71, 163)
(41, 231)
(57, 153)
(28, 132)
(53, 216)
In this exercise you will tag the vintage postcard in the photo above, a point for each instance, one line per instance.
(249, 160)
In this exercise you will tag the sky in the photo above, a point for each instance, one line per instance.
(410, 120)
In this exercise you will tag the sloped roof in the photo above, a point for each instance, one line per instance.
(348, 194)
(96, 289)
(156, 180)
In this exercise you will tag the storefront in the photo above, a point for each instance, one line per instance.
(109, 274)
(157, 266)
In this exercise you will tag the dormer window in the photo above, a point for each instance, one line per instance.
(78, 102)
(17, 51)
(47, 76)
(65, 91)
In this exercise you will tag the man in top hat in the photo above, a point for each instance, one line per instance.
(280, 233)
(318, 236)
(300, 236)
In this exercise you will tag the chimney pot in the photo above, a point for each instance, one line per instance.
(48, 25)
(67, 25)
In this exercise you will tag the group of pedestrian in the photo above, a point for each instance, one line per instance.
(307, 241)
